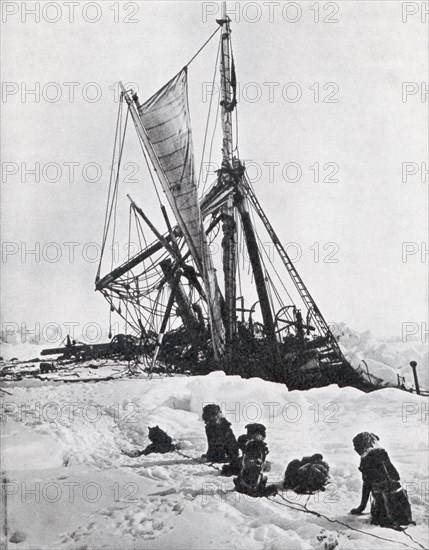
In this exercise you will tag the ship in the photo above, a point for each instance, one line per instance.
(189, 311)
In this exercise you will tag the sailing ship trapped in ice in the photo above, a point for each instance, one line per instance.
(192, 311)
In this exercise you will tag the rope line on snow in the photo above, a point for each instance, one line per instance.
(320, 515)
(211, 465)
(416, 541)
(303, 508)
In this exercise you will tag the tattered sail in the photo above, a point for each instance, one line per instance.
(166, 121)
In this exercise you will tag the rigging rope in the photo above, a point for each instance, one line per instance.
(148, 166)
(115, 190)
(116, 194)
(113, 195)
(203, 46)
(105, 228)
(208, 119)
(271, 263)
(212, 141)
(279, 298)
(131, 271)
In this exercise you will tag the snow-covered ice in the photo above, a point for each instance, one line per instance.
(69, 485)
(385, 357)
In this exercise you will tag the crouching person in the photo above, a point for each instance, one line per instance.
(222, 445)
(390, 506)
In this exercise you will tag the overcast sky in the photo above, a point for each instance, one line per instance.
(355, 116)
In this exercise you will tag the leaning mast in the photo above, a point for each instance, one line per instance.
(228, 211)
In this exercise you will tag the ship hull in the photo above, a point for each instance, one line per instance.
(300, 364)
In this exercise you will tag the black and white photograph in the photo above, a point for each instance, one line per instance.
(214, 275)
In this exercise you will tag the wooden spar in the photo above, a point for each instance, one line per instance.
(165, 243)
(206, 209)
(162, 329)
(137, 259)
(255, 260)
(144, 255)
(172, 249)
(170, 229)
(184, 306)
(228, 211)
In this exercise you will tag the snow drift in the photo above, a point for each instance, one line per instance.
(58, 437)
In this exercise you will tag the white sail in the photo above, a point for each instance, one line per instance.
(166, 121)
